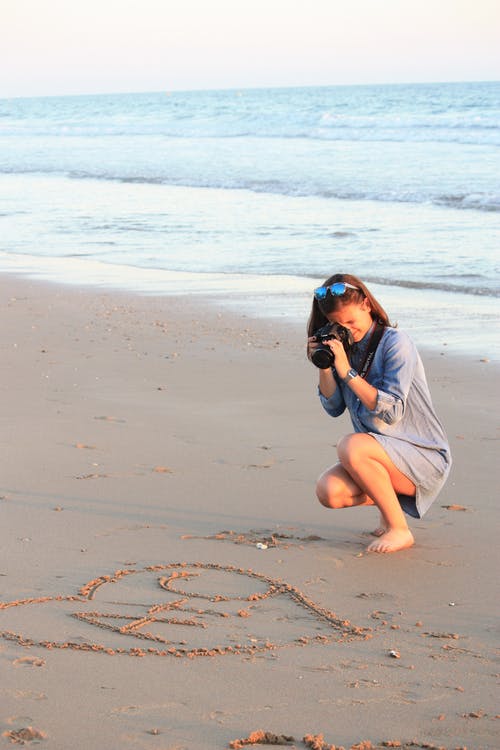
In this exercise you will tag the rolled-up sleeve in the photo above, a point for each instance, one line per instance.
(335, 405)
(399, 361)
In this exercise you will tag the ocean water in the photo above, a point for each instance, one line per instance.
(255, 196)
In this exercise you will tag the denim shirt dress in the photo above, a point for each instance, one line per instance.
(403, 421)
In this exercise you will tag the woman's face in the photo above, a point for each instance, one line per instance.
(355, 317)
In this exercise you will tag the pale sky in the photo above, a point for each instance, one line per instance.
(53, 47)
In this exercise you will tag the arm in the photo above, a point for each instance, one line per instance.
(399, 361)
(366, 393)
(388, 401)
(330, 394)
(327, 383)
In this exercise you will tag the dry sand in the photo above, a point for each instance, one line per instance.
(148, 447)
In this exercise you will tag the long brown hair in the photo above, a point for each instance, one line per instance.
(331, 303)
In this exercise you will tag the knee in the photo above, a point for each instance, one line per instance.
(326, 491)
(322, 491)
(351, 449)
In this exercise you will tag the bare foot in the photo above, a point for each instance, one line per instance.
(392, 541)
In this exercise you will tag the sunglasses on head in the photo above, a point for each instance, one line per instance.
(336, 290)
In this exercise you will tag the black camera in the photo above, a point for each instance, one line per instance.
(322, 356)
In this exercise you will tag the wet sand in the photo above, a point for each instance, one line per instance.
(167, 579)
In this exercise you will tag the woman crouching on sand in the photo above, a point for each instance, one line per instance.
(398, 456)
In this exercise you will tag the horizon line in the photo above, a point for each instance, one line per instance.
(169, 91)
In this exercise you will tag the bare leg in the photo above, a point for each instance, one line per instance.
(337, 489)
(367, 476)
(373, 471)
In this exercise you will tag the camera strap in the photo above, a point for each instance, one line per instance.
(375, 337)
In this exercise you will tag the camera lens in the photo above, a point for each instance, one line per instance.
(322, 357)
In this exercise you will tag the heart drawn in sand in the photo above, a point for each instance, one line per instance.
(176, 609)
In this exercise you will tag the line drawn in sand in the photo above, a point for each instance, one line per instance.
(177, 609)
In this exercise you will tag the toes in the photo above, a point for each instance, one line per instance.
(375, 547)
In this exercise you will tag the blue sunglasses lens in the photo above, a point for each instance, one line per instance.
(320, 292)
(338, 289)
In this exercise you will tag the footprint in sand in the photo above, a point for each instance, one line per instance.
(176, 609)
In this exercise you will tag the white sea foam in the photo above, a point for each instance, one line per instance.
(434, 319)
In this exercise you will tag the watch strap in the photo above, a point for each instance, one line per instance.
(351, 374)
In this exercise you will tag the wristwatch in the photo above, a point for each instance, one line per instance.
(350, 375)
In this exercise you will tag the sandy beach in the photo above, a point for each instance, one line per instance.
(168, 579)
